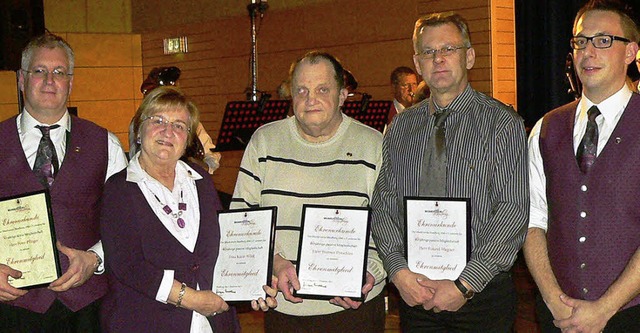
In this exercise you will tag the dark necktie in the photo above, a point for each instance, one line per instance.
(46, 165)
(441, 117)
(433, 178)
(588, 147)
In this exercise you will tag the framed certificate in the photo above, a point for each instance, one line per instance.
(27, 239)
(246, 253)
(437, 236)
(332, 253)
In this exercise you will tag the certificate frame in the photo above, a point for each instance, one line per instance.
(359, 252)
(446, 272)
(36, 202)
(247, 221)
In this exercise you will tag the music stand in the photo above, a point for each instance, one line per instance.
(373, 114)
(242, 118)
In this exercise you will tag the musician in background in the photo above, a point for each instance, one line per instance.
(404, 83)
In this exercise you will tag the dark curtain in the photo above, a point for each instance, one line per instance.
(543, 30)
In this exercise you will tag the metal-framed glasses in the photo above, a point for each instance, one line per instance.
(59, 74)
(599, 41)
(178, 126)
(445, 51)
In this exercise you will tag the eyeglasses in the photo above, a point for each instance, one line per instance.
(43, 73)
(445, 52)
(599, 41)
(158, 121)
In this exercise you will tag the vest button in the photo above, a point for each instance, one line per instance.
(585, 290)
(582, 239)
(583, 265)
(583, 214)
(583, 188)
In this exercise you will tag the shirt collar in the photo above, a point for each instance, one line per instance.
(28, 122)
(458, 103)
(136, 174)
(399, 107)
(610, 108)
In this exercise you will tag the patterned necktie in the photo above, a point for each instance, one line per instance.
(46, 165)
(588, 147)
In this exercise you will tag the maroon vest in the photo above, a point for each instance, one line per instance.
(594, 219)
(75, 198)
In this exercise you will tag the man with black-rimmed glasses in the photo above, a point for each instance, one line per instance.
(45, 148)
(582, 244)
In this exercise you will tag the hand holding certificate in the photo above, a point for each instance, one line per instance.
(246, 253)
(27, 239)
(437, 236)
(333, 251)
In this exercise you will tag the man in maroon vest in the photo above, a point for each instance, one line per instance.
(583, 239)
(84, 156)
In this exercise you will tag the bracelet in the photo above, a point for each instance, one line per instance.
(183, 290)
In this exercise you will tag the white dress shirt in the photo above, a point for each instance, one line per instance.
(611, 110)
(157, 196)
(30, 139)
(399, 107)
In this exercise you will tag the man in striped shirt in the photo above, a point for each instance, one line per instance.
(485, 162)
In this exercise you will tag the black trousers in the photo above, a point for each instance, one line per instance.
(492, 310)
(627, 320)
(58, 319)
(369, 318)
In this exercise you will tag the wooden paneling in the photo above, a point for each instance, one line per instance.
(503, 51)
(8, 94)
(370, 37)
(97, 16)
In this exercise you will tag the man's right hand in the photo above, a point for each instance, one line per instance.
(410, 290)
(558, 309)
(287, 279)
(7, 292)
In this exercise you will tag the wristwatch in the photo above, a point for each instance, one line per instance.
(98, 261)
(466, 293)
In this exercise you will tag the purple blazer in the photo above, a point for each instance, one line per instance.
(138, 248)
(75, 200)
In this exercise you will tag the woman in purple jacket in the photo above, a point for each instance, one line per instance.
(160, 231)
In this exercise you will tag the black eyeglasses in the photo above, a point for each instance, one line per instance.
(599, 41)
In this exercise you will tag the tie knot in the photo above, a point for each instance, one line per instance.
(593, 113)
(441, 116)
(45, 129)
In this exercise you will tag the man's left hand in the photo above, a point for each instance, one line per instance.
(348, 303)
(586, 317)
(82, 265)
(446, 296)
